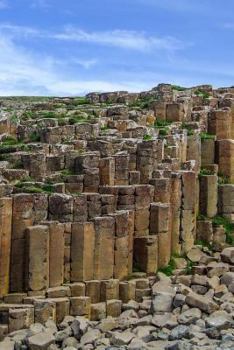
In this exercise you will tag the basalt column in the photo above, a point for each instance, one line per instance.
(37, 258)
(28, 209)
(188, 210)
(5, 243)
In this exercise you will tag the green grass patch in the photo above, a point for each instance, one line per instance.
(143, 102)
(223, 180)
(228, 227)
(9, 141)
(160, 123)
(147, 137)
(205, 244)
(79, 101)
(206, 136)
(202, 93)
(34, 188)
(14, 119)
(77, 120)
(189, 267)
(205, 171)
(201, 217)
(49, 115)
(190, 131)
(34, 137)
(178, 88)
(27, 115)
(164, 131)
(169, 269)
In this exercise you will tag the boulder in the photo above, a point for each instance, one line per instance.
(227, 255)
(41, 341)
(201, 302)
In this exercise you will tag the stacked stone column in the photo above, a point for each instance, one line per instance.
(5, 244)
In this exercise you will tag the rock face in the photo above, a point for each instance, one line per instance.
(94, 189)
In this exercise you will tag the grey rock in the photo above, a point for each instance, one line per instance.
(70, 342)
(227, 255)
(220, 320)
(41, 341)
(190, 316)
(61, 335)
(179, 300)
(179, 332)
(90, 336)
(122, 338)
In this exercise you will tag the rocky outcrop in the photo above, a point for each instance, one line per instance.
(97, 196)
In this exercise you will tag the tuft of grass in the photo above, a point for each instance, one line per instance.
(48, 187)
(206, 136)
(203, 243)
(201, 93)
(163, 131)
(190, 131)
(49, 115)
(14, 119)
(18, 165)
(77, 119)
(160, 123)
(228, 227)
(67, 172)
(205, 171)
(189, 267)
(201, 217)
(147, 137)
(79, 101)
(223, 180)
(34, 136)
(169, 269)
(105, 127)
(27, 115)
(143, 102)
(178, 88)
(34, 188)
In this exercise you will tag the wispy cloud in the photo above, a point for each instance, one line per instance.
(87, 64)
(12, 30)
(121, 38)
(3, 4)
(22, 73)
(125, 39)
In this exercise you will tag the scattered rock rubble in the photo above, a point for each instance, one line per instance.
(183, 311)
(117, 220)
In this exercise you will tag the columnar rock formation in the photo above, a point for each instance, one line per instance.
(95, 189)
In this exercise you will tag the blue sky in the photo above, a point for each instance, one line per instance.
(57, 47)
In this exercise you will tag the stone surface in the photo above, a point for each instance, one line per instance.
(116, 215)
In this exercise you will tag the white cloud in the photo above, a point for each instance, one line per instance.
(125, 39)
(12, 30)
(87, 64)
(23, 73)
(120, 38)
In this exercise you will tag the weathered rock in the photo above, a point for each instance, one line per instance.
(201, 302)
(41, 341)
(219, 320)
(163, 297)
(122, 338)
(227, 255)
